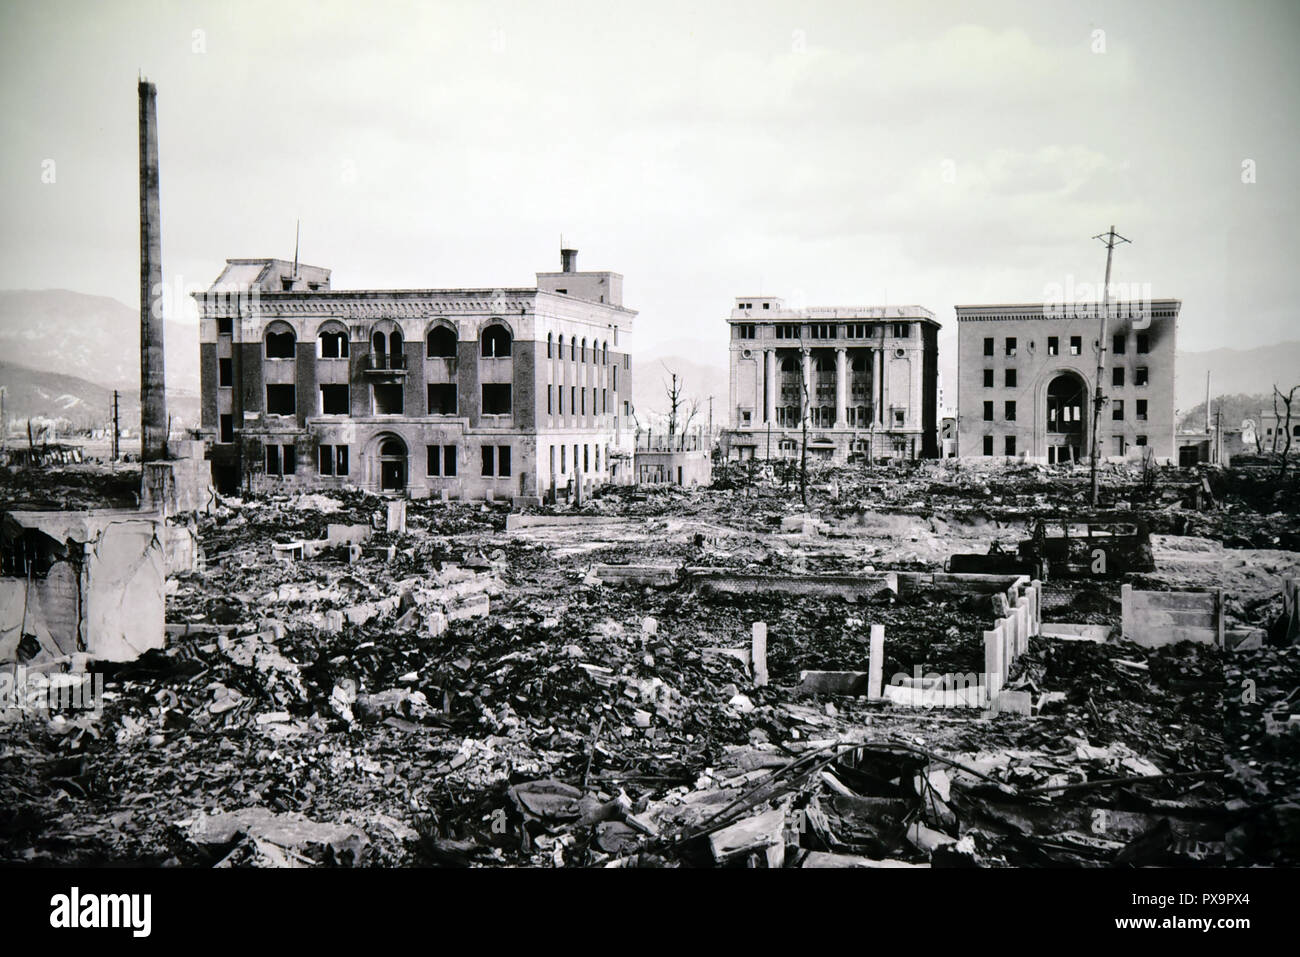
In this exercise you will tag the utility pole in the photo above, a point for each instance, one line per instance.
(115, 439)
(1111, 239)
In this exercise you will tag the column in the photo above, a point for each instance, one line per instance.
(878, 386)
(841, 388)
(809, 390)
(769, 373)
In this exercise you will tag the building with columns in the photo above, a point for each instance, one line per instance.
(1027, 375)
(468, 393)
(864, 377)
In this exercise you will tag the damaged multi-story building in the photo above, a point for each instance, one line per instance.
(1027, 375)
(866, 378)
(467, 393)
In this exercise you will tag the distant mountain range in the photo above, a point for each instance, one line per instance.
(64, 352)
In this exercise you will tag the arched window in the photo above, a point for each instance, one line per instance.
(280, 341)
(584, 350)
(573, 348)
(332, 341)
(496, 341)
(788, 364)
(550, 344)
(561, 344)
(859, 363)
(604, 353)
(440, 343)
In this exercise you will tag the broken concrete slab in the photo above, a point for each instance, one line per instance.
(308, 841)
(657, 576)
(757, 833)
(1157, 618)
(1064, 631)
(826, 859)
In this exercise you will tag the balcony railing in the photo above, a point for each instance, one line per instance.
(385, 362)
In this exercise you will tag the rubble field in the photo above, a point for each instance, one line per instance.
(469, 691)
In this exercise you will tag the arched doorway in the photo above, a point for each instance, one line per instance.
(392, 465)
(1067, 400)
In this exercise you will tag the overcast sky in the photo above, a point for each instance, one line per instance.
(832, 152)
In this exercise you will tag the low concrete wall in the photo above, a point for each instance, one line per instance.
(516, 521)
(713, 581)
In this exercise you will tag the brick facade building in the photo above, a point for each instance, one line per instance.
(468, 392)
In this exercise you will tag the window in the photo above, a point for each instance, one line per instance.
(440, 343)
(902, 330)
(564, 450)
(573, 400)
(988, 378)
(225, 373)
(1011, 345)
(988, 413)
(604, 400)
(744, 330)
(586, 458)
(279, 345)
(787, 330)
(1143, 343)
(900, 418)
(332, 344)
(1053, 345)
(1140, 375)
(496, 342)
(436, 456)
(388, 399)
(281, 459)
(1140, 409)
(1009, 412)
(340, 460)
(550, 344)
(225, 326)
(604, 353)
(1076, 345)
(449, 461)
(1010, 445)
(988, 445)
(1120, 344)
(1117, 410)
(1140, 440)
(279, 400)
(583, 354)
(496, 399)
(583, 410)
(326, 460)
(442, 398)
(1117, 375)
(823, 331)
(227, 427)
(550, 399)
(573, 350)
(1011, 379)
(988, 345)
(496, 460)
(614, 383)
(560, 390)
(333, 400)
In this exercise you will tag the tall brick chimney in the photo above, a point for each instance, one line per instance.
(153, 389)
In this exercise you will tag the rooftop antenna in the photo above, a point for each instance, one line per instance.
(1111, 239)
(297, 230)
